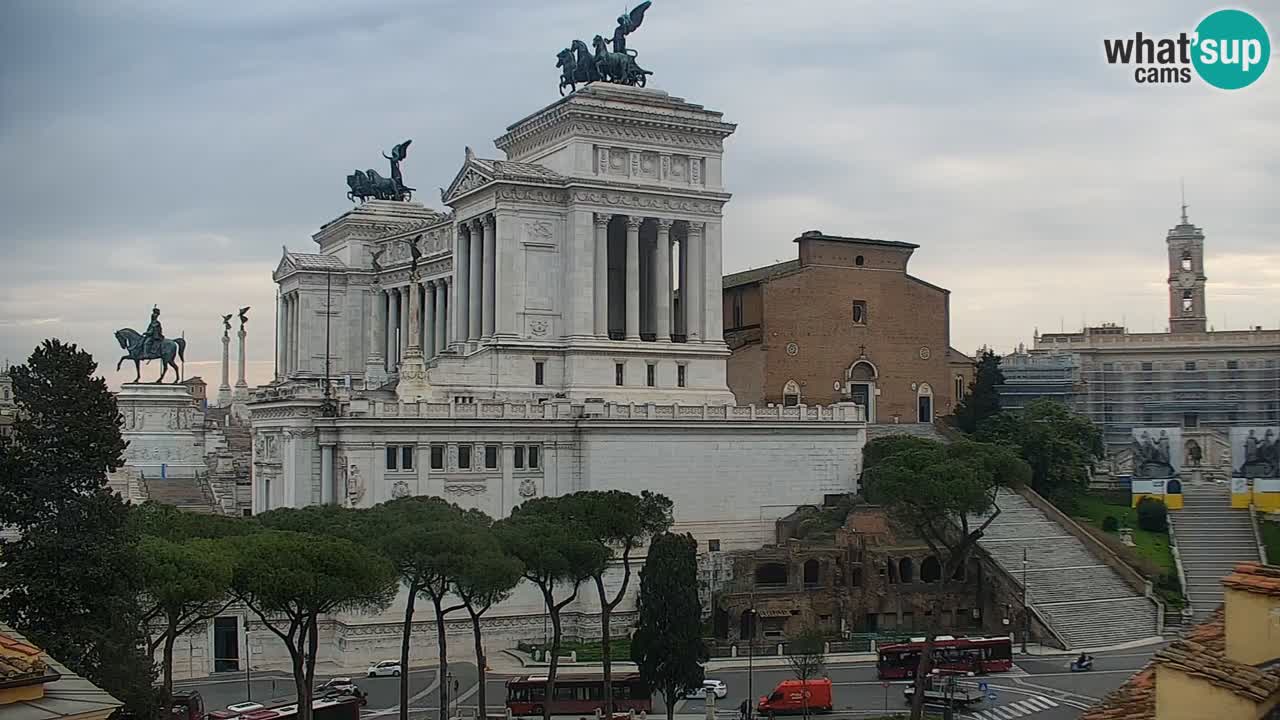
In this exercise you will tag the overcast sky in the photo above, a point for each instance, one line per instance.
(161, 152)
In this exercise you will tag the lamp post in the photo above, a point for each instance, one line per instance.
(448, 693)
(1026, 614)
(248, 679)
(751, 655)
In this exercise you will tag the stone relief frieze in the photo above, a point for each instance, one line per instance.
(539, 327)
(645, 202)
(541, 232)
(541, 196)
(528, 488)
(400, 489)
(464, 488)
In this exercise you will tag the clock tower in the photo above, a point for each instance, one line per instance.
(1186, 277)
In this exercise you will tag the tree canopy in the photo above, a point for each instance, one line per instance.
(1058, 445)
(667, 644)
(983, 398)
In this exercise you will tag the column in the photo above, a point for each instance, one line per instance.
(601, 284)
(377, 326)
(442, 313)
(293, 332)
(281, 340)
(429, 319)
(327, 494)
(402, 310)
(712, 294)
(490, 275)
(414, 322)
(462, 292)
(475, 302)
(694, 274)
(683, 271)
(393, 325)
(662, 288)
(241, 385)
(224, 390)
(633, 277)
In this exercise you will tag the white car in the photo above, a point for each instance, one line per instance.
(386, 667)
(244, 707)
(713, 687)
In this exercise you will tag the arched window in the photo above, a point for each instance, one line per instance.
(1186, 260)
(771, 574)
(959, 388)
(811, 572)
(930, 570)
(1188, 302)
(905, 570)
(791, 394)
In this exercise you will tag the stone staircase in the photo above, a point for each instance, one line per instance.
(1086, 602)
(184, 493)
(1212, 538)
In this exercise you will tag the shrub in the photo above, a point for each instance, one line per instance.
(1110, 523)
(1153, 516)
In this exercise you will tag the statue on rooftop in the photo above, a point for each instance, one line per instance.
(366, 184)
(244, 316)
(151, 345)
(617, 66)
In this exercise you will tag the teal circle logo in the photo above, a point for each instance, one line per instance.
(1231, 49)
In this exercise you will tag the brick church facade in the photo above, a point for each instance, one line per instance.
(844, 321)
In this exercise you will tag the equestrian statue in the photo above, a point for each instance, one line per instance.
(152, 345)
(578, 65)
(365, 184)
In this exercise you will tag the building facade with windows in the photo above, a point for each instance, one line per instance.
(1201, 381)
(527, 342)
(844, 322)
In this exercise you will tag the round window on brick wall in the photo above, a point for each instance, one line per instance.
(924, 353)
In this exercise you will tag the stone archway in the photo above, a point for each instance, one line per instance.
(924, 403)
(861, 378)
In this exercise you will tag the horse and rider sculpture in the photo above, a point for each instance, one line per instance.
(151, 345)
(578, 65)
(366, 184)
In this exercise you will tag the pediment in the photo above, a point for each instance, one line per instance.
(471, 176)
(286, 266)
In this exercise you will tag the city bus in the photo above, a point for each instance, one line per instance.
(576, 695)
(968, 655)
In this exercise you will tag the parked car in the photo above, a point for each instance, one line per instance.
(244, 707)
(709, 686)
(341, 686)
(386, 667)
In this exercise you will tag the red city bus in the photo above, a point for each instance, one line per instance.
(969, 655)
(576, 695)
(337, 707)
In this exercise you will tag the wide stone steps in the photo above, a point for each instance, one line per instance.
(182, 493)
(1212, 539)
(1085, 601)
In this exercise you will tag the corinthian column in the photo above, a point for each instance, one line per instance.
(429, 320)
(662, 288)
(633, 277)
(442, 313)
(696, 294)
(490, 275)
(601, 283)
(374, 364)
(475, 303)
(224, 390)
(462, 288)
(415, 318)
(242, 388)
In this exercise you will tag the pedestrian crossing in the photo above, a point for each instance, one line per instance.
(1021, 708)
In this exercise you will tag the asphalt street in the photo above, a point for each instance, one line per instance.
(1039, 688)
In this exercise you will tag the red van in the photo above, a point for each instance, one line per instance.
(793, 696)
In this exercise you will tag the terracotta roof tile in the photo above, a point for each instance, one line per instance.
(1255, 578)
(19, 659)
(1134, 700)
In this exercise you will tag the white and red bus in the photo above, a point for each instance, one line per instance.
(576, 695)
(975, 655)
(334, 707)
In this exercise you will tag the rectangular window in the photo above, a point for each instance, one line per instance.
(1191, 420)
(1146, 367)
(617, 374)
(680, 370)
(859, 312)
(1189, 365)
(537, 372)
(650, 373)
(534, 451)
(737, 308)
(1233, 365)
(491, 457)
(518, 459)
(406, 457)
(1108, 367)
(464, 457)
(713, 545)
(437, 457)
(392, 456)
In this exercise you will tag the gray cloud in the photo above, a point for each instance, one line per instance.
(161, 152)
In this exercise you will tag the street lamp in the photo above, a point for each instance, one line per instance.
(751, 655)
(446, 692)
(248, 680)
(1026, 614)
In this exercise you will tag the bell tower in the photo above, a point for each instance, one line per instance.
(1186, 277)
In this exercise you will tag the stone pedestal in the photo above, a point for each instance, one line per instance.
(164, 430)
(413, 385)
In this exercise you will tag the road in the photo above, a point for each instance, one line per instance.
(1037, 689)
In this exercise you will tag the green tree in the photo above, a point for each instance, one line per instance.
(936, 491)
(71, 577)
(290, 579)
(807, 658)
(667, 645)
(426, 539)
(486, 578)
(184, 584)
(557, 552)
(1059, 445)
(983, 398)
(623, 522)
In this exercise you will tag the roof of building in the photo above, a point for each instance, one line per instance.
(65, 695)
(1255, 578)
(508, 170)
(1201, 654)
(313, 261)
(819, 235)
(747, 277)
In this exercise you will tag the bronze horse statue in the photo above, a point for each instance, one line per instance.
(577, 66)
(618, 67)
(131, 342)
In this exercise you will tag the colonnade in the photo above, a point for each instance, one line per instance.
(636, 278)
(475, 267)
(411, 316)
(290, 352)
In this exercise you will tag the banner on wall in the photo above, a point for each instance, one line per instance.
(1157, 453)
(1255, 452)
